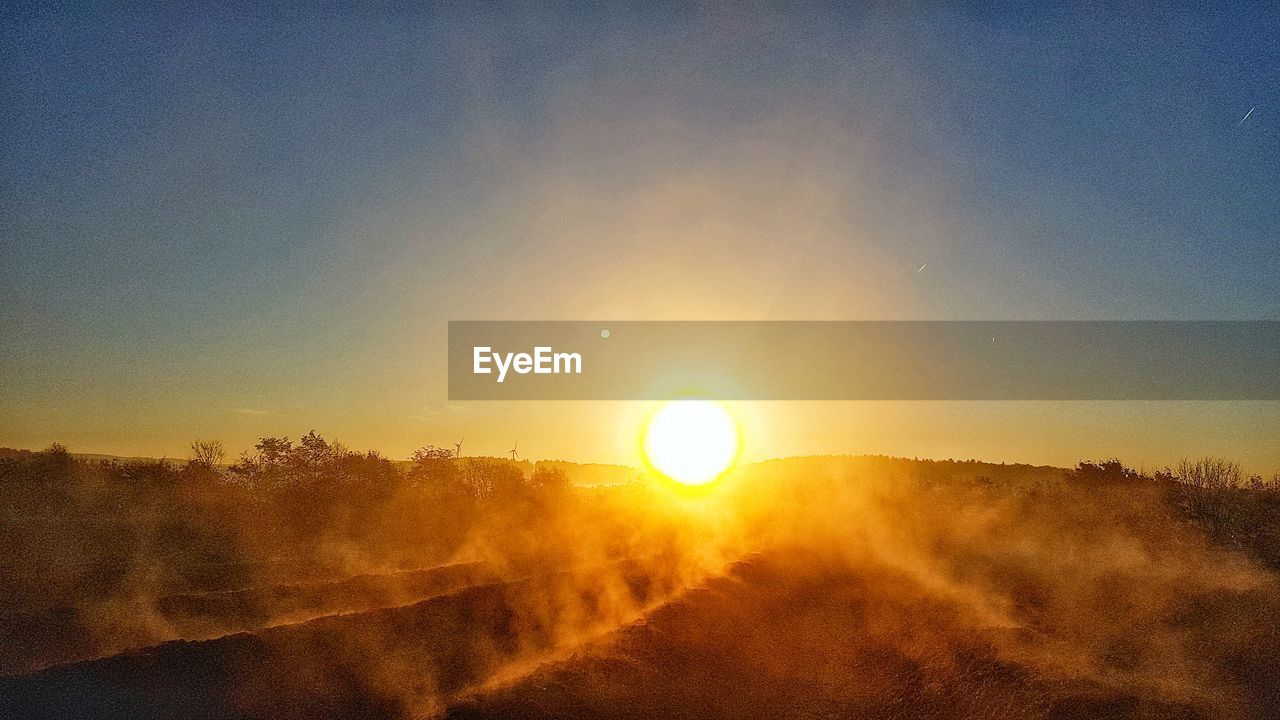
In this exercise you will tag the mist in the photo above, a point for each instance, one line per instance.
(309, 579)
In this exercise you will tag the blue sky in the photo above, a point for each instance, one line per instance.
(202, 207)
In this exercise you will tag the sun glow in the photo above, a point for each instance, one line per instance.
(691, 441)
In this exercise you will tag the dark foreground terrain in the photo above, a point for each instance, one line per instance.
(770, 641)
(774, 637)
(810, 588)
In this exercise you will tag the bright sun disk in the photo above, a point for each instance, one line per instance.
(691, 441)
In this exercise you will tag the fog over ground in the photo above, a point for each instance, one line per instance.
(804, 586)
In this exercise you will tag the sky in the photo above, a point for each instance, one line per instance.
(229, 223)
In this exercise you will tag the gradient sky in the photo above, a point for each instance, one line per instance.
(228, 223)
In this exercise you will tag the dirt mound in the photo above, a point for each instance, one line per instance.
(792, 638)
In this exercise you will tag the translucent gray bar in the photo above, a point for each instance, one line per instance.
(868, 360)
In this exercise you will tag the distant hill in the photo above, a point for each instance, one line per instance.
(588, 474)
(581, 474)
(96, 457)
(601, 474)
(126, 459)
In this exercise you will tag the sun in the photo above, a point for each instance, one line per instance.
(691, 441)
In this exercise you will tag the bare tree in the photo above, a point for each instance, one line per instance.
(1208, 486)
(208, 453)
(1210, 473)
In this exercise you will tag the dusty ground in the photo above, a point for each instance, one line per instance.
(774, 637)
(810, 588)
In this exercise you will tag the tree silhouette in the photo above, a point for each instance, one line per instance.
(207, 453)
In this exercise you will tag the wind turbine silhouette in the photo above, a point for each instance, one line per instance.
(457, 448)
(514, 455)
